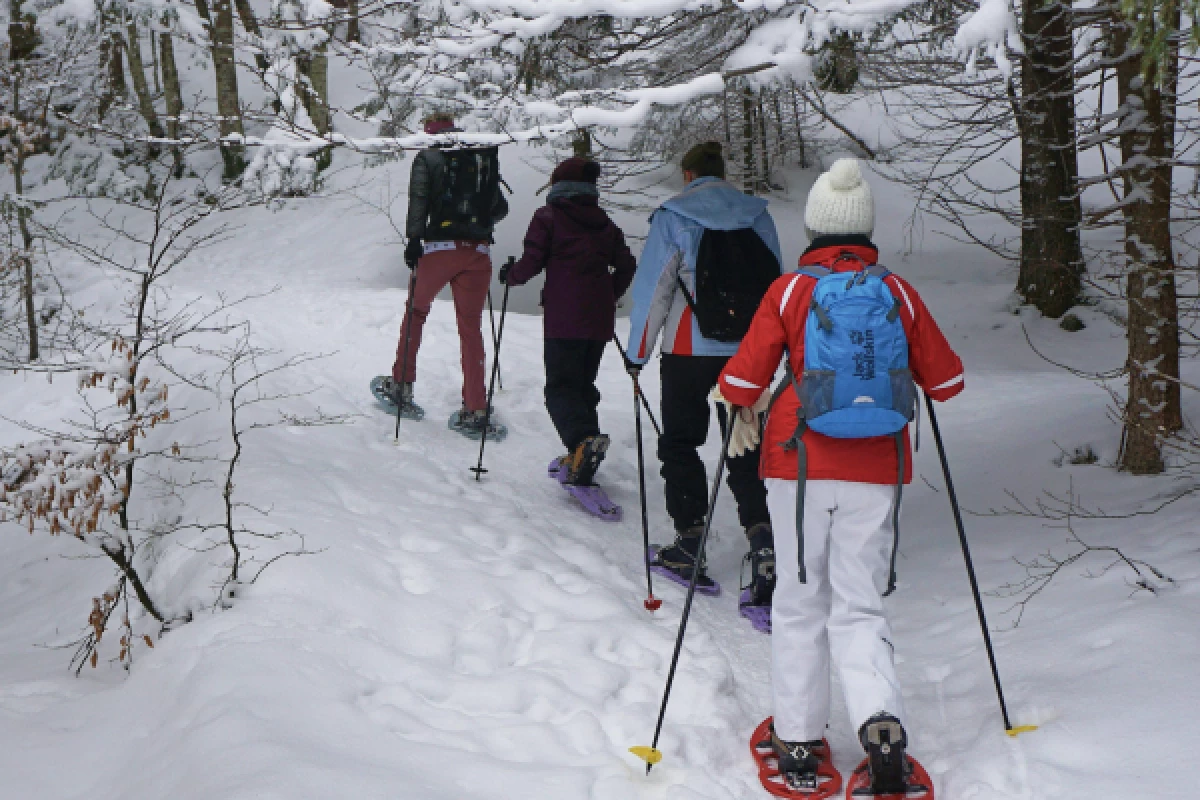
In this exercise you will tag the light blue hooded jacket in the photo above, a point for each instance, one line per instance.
(675, 230)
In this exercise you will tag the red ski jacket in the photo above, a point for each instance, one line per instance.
(779, 324)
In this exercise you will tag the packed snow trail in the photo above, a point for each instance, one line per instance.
(455, 639)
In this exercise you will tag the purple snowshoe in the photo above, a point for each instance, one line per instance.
(704, 584)
(759, 616)
(593, 499)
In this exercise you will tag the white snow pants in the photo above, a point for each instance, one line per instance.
(838, 612)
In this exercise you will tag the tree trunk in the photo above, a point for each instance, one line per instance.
(228, 103)
(26, 258)
(1152, 409)
(173, 95)
(765, 178)
(803, 161)
(748, 165)
(154, 70)
(315, 93)
(1052, 265)
(112, 63)
(250, 23)
(581, 143)
(137, 70)
(353, 33)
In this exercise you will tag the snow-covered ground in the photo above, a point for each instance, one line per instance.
(461, 639)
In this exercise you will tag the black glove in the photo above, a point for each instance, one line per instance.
(504, 270)
(413, 252)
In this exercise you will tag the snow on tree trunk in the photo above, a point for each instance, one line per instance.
(1051, 258)
(1153, 405)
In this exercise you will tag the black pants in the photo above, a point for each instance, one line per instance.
(571, 394)
(687, 382)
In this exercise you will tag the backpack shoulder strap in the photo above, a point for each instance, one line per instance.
(879, 271)
(815, 271)
(691, 301)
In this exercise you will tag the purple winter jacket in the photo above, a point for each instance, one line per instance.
(575, 242)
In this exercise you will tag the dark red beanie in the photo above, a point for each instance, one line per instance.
(580, 170)
(438, 124)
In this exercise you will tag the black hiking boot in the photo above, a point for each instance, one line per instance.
(680, 557)
(761, 560)
(471, 425)
(883, 737)
(798, 761)
(585, 460)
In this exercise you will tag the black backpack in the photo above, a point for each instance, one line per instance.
(734, 269)
(463, 210)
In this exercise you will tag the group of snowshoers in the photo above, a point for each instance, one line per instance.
(816, 464)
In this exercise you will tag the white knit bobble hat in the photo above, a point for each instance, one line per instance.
(840, 202)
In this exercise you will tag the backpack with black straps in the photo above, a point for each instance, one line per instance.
(734, 270)
(463, 210)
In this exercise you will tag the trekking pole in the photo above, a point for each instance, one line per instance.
(962, 538)
(651, 755)
(492, 317)
(412, 285)
(652, 603)
(637, 386)
(487, 414)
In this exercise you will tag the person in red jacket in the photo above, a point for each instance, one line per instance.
(588, 267)
(838, 613)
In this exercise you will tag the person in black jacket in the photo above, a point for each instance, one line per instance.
(457, 255)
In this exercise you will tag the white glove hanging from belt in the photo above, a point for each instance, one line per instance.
(746, 429)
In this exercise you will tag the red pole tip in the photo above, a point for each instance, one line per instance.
(653, 603)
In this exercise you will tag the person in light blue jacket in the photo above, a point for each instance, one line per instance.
(691, 364)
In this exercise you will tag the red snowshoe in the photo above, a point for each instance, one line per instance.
(826, 783)
(888, 773)
(918, 784)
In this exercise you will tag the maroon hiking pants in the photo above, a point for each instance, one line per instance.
(467, 267)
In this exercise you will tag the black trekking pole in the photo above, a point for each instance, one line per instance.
(652, 603)
(637, 386)
(487, 414)
(492, 317)
(412, 285)
(651, 754)
(962, 538)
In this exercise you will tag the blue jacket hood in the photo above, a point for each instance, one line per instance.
(717, 205)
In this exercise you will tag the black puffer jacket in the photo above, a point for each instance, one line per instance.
(425, 187)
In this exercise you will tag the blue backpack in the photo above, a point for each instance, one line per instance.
(856, 378)
(856, 381)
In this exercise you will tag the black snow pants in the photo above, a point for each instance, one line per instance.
(571, 394)
(687, 382)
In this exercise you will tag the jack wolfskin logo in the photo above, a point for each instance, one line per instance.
(864, 359)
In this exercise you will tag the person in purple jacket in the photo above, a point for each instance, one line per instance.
(588, 267)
